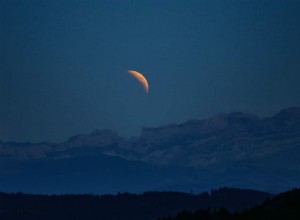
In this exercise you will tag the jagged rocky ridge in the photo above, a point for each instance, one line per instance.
(196, 143)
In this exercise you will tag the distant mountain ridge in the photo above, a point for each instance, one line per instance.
(236, 149)
(195, 143)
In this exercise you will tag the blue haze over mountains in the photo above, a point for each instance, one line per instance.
(234, 150)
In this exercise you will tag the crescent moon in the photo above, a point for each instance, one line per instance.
(140, 78)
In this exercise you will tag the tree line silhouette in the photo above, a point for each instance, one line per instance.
(283, 206)
(146, 206)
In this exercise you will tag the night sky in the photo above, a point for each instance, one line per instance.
(64, 63)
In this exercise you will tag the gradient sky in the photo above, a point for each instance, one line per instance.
(64, 63)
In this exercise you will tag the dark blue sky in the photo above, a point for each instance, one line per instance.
(64, 63)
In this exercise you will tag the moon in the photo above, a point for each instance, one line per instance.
(140, 78)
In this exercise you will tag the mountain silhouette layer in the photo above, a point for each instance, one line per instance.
(236, 149)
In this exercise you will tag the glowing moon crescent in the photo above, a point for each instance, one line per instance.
(140, 78)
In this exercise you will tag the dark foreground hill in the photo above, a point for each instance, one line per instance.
(283, 206)
(125, 206)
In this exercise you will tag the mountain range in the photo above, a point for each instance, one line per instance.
(236, 149)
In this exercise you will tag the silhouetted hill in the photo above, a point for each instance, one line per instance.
(146, 206)
(283, 206)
